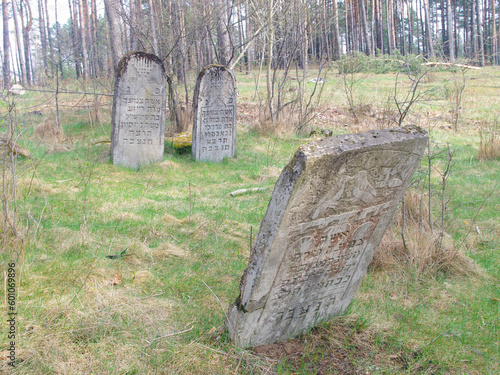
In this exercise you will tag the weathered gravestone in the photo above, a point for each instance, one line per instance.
(214, 115)
(327, 214)
(138, 118)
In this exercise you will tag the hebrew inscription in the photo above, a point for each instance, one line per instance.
(327, 215)
(138, 118)
(214, 119)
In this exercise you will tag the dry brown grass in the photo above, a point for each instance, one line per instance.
(47, 131)
(489, 141)
(86, 329)
(425, 249)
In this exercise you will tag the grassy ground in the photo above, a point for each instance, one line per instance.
(131, 272)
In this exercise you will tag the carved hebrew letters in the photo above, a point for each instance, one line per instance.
(328, 213)
(214, 122)
(138, 111)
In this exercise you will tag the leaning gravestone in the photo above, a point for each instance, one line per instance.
(214, 117)
(327, 214)
(138, 118)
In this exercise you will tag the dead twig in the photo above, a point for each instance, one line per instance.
(244, 191)
(217, 298)
(168, 335)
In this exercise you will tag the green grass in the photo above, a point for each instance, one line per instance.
(187, 245)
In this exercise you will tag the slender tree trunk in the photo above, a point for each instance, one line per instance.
(336, 34)
(364, 24)
(94, 38)
(178, 26)
(58, 38)
(25, 7)
(19, 43)
(428, 31)
(153, 41)
(479, 32)
(411, 30)
(449, 19)
(115, 34)
(248, 30)
(43, 34)
(303, 37)
(241, 37)
(88, 59)
(49, 39)
(270, 46)
(348, 27)
(74, 37)
(494, 40)
(6, 46)
(444, 36)
(133, 25)
(390, 26)
(223, 42)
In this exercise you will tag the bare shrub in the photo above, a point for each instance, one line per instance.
(286, 125)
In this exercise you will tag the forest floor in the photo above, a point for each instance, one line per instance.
(132, 272)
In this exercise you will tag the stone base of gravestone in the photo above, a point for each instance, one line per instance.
(327, 215)
(139, 106)
(214, 115)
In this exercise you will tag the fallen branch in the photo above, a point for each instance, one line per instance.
(170, 334)
(12, 147)
(450, 65)
(244, 191)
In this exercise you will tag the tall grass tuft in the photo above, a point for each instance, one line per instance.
(489, 141)
(412, 242)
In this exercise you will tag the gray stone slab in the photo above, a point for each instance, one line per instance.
(139, 106)
(214, 115)
(327, 215)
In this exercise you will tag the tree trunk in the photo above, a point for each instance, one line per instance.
(428, 32)
(19, 43)
(270, 46)
(479, 35)
(336, 34)
(364, 24)
(248, 29)
(94, 39)
(451, 39)
(409, 4)
(153, 42)
(179, 29)
(43, 34)
(390, 26)
(26, 37)
(58, 38)
(494, 40)
(223, 42)
(379, 32)
(6, 46)
(88, 68)
(115, 32)
(74, 37)
(49, 38)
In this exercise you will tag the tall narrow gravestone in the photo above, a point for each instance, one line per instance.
(327, 214)
(139, 105)
(214, 115)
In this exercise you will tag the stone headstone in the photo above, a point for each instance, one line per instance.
(139, 105)
(17, 89)
(214, 117)
(327, 214)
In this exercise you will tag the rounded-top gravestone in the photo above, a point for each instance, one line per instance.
(214, 115)
(138, 118)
